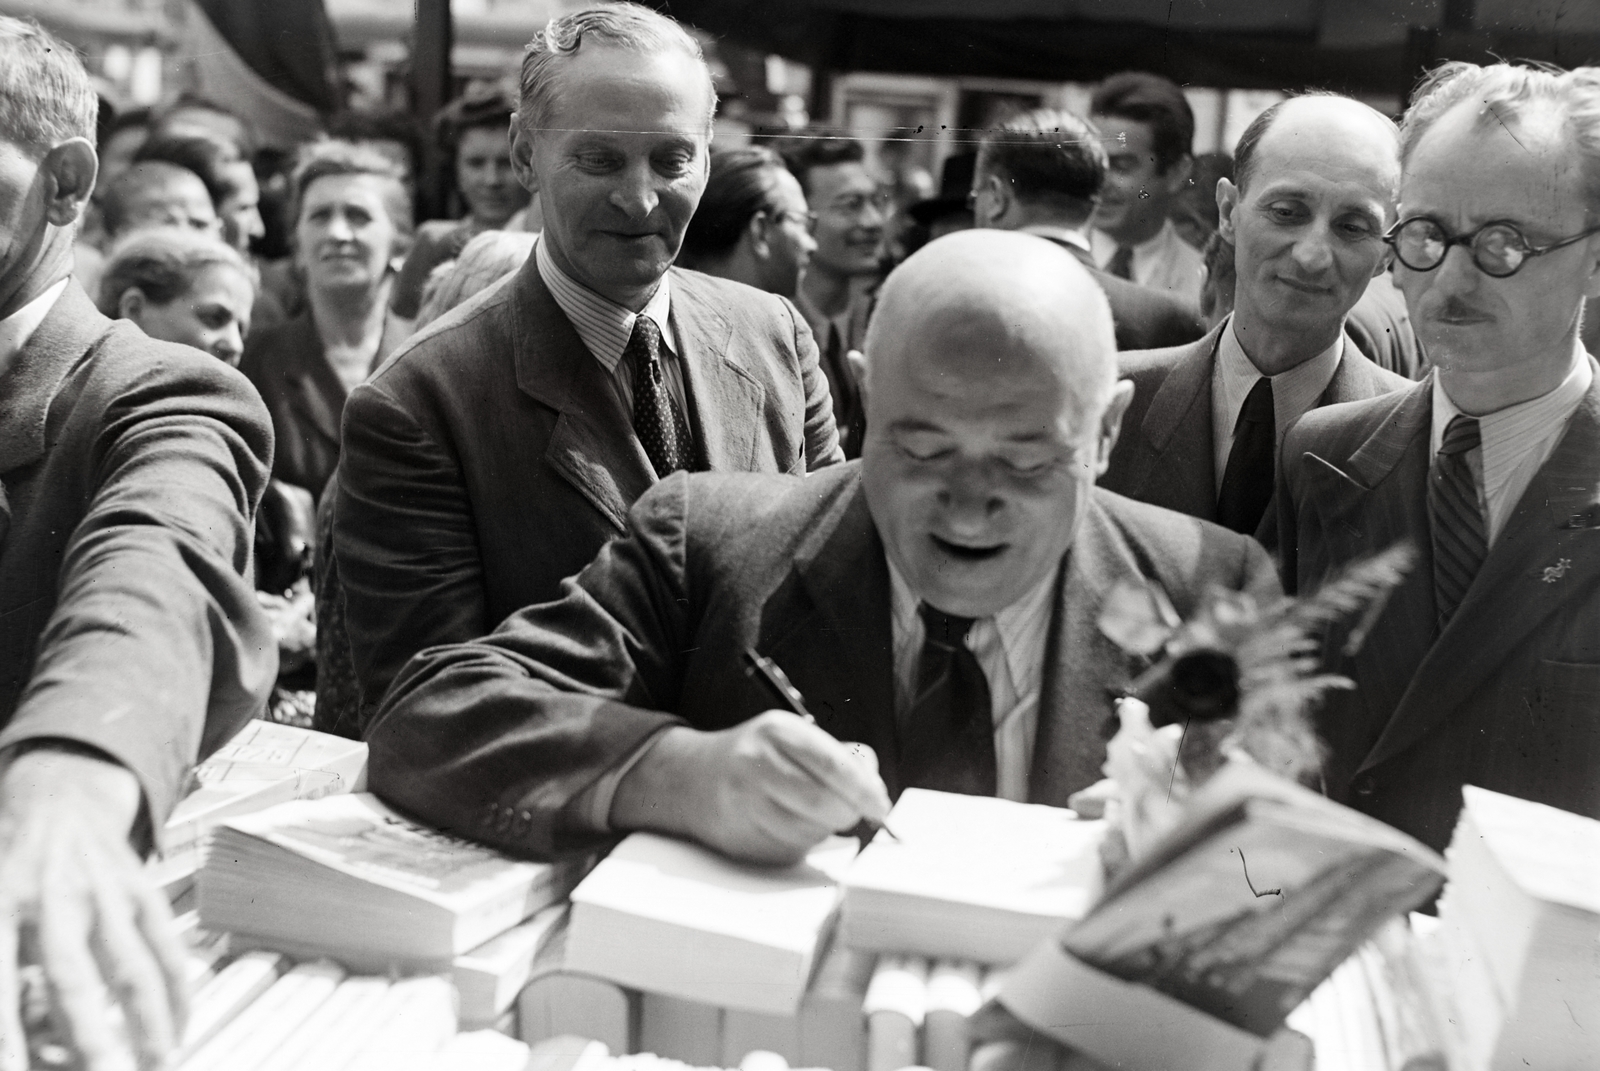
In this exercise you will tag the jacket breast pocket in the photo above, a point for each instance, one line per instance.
(1560, 686)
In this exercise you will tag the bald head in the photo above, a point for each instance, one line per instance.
(992, 404)
(158, 194)
(983, 302)
(1339, 125)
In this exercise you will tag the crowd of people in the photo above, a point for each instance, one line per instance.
(510, 495)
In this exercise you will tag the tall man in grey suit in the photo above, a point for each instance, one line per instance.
(1314, 187)
(937, 601)
(1485, 668)
(503, 447)
(131, 644)
(1041, 173)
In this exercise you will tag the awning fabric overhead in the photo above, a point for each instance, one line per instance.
(1376, 46)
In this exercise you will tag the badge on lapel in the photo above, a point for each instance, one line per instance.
(1555, 572)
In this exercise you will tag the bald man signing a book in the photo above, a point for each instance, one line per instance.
(936, 600)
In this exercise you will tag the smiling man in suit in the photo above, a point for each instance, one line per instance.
(937, 601)
(499, 451)
(1041, 173)
(1485, 668)
(1314, 187)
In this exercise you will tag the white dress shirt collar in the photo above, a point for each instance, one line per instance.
(602, 324)
(1515, 441)
(1294, 393)
(1056, 233)
(18, 328)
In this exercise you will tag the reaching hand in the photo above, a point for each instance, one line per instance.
(74, 896)
(766, 790)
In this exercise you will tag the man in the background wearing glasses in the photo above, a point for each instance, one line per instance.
(851, 211)
(1485, 667)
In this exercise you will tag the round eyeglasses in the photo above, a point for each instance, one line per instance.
(1499, 248)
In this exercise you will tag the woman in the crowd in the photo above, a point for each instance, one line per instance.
(352, 228)
(183, 286)
(229, 179)
(473, 131)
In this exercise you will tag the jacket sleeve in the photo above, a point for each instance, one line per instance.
(157, 651)
(822, 435)
(500, 737)
(404, 540)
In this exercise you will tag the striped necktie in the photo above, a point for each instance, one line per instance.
(1460, 540)
(657, 421)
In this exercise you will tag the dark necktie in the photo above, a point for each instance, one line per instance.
(1460, 542)
(1247, 482)
(660, 426)
(948, 741)
(1121, 263)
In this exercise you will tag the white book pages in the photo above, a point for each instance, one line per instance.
(353, 999)
(250, 1038)
(489, 977)
(670, 917)
(970, 877)
(228, 993)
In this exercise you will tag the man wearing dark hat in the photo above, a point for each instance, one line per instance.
(951, 210)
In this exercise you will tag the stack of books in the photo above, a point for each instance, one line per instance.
(676, 919)
(349, 878)
(265, 764)
(970, 878)
(1519, 928)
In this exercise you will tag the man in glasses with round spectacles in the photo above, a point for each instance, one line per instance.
(1485, 668)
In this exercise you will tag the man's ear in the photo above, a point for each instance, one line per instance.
(759, 231)
(522, 155)
(858, 369)
(71, 166)
(1227, 201)
(1111, 425)
(130, 306)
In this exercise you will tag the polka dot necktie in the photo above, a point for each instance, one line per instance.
(656, 419)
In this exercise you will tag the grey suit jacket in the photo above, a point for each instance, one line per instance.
(497, 737)
(130, 471)
(1507, 694)
(491, 457)
(1164, 454)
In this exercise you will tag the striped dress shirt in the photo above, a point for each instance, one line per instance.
(1516, 440)
(605, 327)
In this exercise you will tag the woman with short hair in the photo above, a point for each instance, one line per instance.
(182, 286)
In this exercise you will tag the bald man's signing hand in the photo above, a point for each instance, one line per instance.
(935, 602)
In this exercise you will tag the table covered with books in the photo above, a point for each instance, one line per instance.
(327, 931)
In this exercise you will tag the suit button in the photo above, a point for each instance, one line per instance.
(1365, 785)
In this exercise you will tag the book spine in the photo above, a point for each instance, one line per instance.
(354, 998)
(248, 1039)
(833, 1030)
(953, 998)
(561, 1002)
(744, 1032)
(895, 1006)
(424, 1021)
(221, 999)
(488, 978)
(680, 1029)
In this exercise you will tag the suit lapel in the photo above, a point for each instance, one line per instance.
(1084, 670)
(1379, 498)
(827, 625)
(724, 399)
(1550, 548)
(34, 378)
(1178, 467)
(593, 446)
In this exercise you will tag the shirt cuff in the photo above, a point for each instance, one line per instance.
(592, 807)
